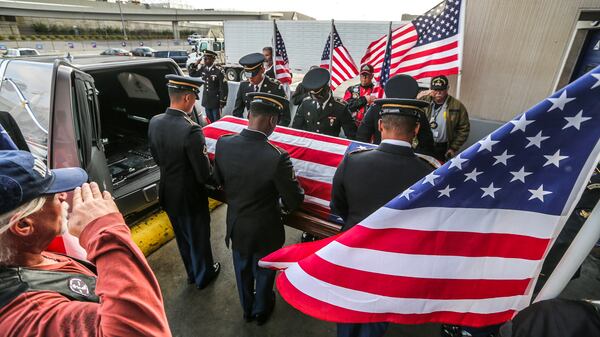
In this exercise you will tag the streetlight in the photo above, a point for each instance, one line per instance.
(122, 20)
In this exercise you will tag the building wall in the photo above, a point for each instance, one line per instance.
(304, 40)
(513, 52)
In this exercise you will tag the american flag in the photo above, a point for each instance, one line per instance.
(315, 158)
(384, 74)
(6, 142)
(343, 67)
(426, 47)
(465, 244)
(282, 63)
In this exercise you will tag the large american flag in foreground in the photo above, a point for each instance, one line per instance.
(282, 63)
(315, 158)
(465, 244)
(342, 65)
(427, 46)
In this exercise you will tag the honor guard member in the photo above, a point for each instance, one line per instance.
(260, 185)
(448, 119)
(258, 82)
(360, 96)
(214, 96)
(179, 149)
(323, 113)
(268, 54)
(357, 192)
(368, 131)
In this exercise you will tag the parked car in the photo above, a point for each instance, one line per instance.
(18, 52)
(179, 56)
(143, 51)
(116, 52)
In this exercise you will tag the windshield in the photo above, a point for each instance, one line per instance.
(28, 52)
(178, 53)
(25, 94)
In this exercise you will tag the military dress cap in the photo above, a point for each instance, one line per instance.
(316, 79)
(267, 102)
(209, 53)
(24, 178)
(366, 69)
(401, 106)
(401, 86)
(439, 83)
(192, 84)
(252, 63)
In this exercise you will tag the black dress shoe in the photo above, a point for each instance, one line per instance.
(215, 274)
(262, 318)
(248, 317)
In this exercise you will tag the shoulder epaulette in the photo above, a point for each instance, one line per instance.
(360, 150)
(277, 148)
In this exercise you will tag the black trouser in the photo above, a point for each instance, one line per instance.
(439, 151)
(255, 284)
(361, 329)
(192, 233)
(213, 114)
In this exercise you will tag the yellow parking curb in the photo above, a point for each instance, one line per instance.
(156, 230)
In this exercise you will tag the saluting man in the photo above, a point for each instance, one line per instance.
(360, 96)
(323, 113)
(179, 149)
(357, 192)
(260, 185)
(257, 82)
(215, 92)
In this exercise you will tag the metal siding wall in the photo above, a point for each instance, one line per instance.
(304, 40)
(513, 53)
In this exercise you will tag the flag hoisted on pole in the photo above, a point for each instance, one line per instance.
(427, 46)
(281, 62)
(465, 244)
(384, 74)
(337, 60)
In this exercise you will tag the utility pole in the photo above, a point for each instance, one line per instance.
(122, 20)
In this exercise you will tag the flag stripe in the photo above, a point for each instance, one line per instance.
(325, 311)
(316, 188)
(409, 287)
(428, 266)
(372, 303)
(473, 220)
(410, 241)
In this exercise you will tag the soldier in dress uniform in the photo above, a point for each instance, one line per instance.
(357, 192)
(368, 131)
(260, 185)
(179, 149)
(258, 82)
(323, 113)
(360, 96)
(215, 92)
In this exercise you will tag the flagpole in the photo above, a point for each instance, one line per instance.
(331, 50)
(573, 258)
(461, 41)
(273, 45)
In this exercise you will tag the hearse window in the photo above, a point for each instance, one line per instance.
(138, 86)
(83, 119)
(25, 93)
(216, 46)
(203, 46)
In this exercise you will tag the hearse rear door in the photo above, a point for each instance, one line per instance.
(87, 125)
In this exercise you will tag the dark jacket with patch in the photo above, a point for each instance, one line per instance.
(368, 131)
(270, 86)
(258, 179)
(368, 179)
(215, 88)
(326, 118)
(179, 149)
(457, 122)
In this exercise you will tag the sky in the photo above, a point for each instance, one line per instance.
(369, 10)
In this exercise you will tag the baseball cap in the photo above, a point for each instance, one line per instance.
(366, 69)
(439, 83)
(24, 178)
